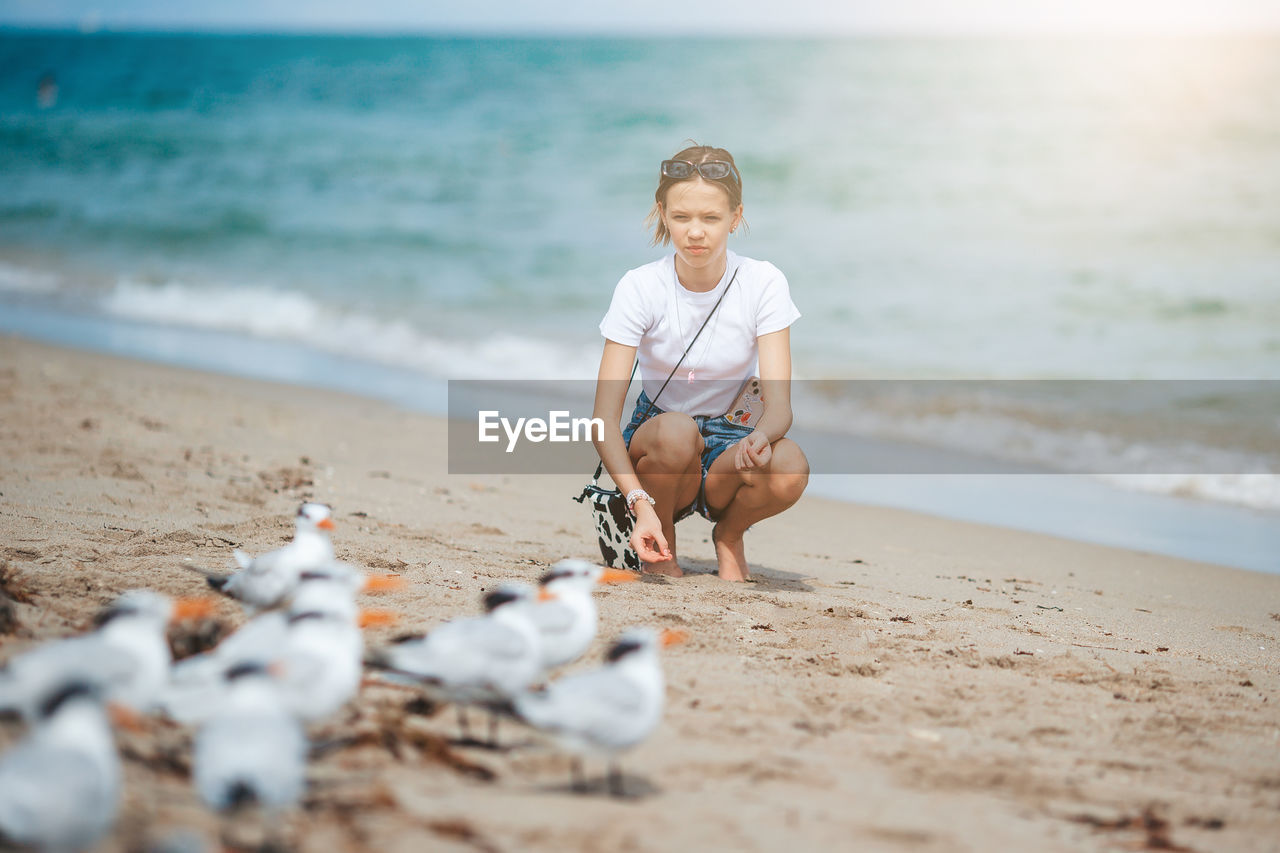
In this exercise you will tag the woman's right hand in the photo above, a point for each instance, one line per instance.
(646, 537)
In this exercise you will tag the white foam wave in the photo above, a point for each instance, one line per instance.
(297, 317)
(16, 279)
(1259, 491)
(971, 425)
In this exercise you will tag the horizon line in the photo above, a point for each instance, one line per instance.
(402, 31)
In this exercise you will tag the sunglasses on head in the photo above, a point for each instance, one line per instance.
(712, 170)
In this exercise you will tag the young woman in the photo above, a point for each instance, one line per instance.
(685, 457)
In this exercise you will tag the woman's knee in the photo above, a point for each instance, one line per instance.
(788, 471)
(670, 440)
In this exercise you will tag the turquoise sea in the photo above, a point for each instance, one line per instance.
(396, 211)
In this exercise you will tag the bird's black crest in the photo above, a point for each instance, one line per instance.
(408, 638)
(554, 575)
(315, 575)
(68, 692)
(307, 614)
(217, 581)
(241, 670)
(621, 649)
(497, 598)
(115, 611)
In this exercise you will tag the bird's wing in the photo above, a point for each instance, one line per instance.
(553, 617)
(583, 702)
(464, 651)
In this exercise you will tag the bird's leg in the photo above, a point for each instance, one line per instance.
(576, 780)
(615, 780)
(462, 724)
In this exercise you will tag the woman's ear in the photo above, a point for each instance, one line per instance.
(737, 220)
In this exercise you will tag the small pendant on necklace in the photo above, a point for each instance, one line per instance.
(690, 375)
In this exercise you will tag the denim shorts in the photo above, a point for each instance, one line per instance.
(718, 435)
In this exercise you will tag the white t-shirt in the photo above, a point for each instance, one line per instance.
(654, 312)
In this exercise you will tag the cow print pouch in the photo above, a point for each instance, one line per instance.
(613, 525)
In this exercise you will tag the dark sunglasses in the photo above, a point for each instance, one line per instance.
(712, 170)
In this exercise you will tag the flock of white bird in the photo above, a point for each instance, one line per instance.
(299, 660)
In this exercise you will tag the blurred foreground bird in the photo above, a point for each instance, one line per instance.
(60, 787)
(476, 661)
(607, 710)
(127, 657)
(565, 614)
(267, 580)
(252, 751)
(315, 646)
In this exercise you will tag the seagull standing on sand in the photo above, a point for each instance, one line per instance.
(60, 787)
(252, 751)
(267, 580)
(607, 710)
(322, 660)
(316, 645)
(565, 614)
(127, 658)
(481, 660)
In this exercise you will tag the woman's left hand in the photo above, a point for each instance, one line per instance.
(754, 451)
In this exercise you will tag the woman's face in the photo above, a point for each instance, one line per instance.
(699, 220)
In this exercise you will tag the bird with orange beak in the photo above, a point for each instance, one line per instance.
(126, 658)
(267, 580)
(314, 648)
(565, 614)
(608, 710)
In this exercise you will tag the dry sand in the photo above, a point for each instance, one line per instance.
(888, 682)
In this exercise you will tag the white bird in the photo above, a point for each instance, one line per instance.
(268, 579)
(481, 660)
(322, 660)
(607, 710)
(565, 614)
(253, 751)
(60, 787)
(127, 658)
(316, 646)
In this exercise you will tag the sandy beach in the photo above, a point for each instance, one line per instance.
(888, 681)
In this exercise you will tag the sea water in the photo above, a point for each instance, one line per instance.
(445, 208)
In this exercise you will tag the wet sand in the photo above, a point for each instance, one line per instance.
(889, 681)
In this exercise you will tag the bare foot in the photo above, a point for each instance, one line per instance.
(670, 568)
(731, 555)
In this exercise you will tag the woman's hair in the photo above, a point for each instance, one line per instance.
(695, 154)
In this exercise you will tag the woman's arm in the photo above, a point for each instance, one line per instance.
(775, 388)
(611, 393)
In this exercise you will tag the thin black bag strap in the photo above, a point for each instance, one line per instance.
(600, 467)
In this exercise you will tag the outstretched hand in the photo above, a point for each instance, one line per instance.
(647, 539)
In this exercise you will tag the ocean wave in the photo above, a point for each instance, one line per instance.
(299, 318)
(1136, 453)
(16, 279)
(1258, 491)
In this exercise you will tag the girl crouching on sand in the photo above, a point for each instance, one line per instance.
(701, 321)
